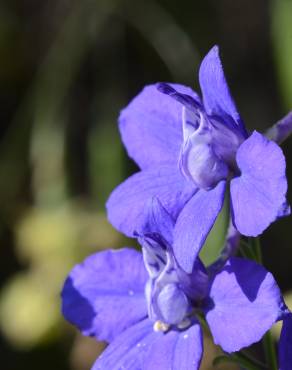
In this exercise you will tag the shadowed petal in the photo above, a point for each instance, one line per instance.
(216, 95)
(258, 194)
(194, 223)
(151, 127)
(105, 294)
(245, 302)
(285, 344)
(177, 350)
(196, 284)
(126, 205)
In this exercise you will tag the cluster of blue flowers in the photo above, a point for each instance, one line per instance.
(148, 306)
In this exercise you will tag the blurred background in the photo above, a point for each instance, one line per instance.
(67, 67)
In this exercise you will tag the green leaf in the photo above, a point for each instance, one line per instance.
(270, 351)
(216, 238)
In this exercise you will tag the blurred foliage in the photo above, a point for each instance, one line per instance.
(282, 41)
(35, 310)
(50, 241)
(66, 69)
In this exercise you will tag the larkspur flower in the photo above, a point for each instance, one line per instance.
(147, 307)
(189, 149)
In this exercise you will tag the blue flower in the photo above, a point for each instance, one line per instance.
(189, 149)
(148, 308)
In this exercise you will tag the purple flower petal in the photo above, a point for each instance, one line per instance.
(105, 294)
(258, 194)
(158, 222)
(194, 223)
(245, 302)
(151, 127)
(128, 351)
(127, 202)
(281, 129)
(140, 347)
(216, 95)
(285, 344)
(176, 350)
(187, 100)
(196, 284)
(155, 257)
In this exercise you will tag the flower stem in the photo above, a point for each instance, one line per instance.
(258, 250)
(270, 351)
(269, 346)
(255, 246)
(246, 250)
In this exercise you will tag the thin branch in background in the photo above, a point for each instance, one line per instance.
(168, 39)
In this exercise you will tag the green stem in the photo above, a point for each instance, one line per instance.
(246, 251)
(203, 322)
(269, 346)
(257, 250)
(235, 358)
(270, 351)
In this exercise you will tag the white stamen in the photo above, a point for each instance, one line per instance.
(160, 326)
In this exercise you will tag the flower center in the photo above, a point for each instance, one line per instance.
(209, 148)
(170, 292)
(161, 326)
(164, 327)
